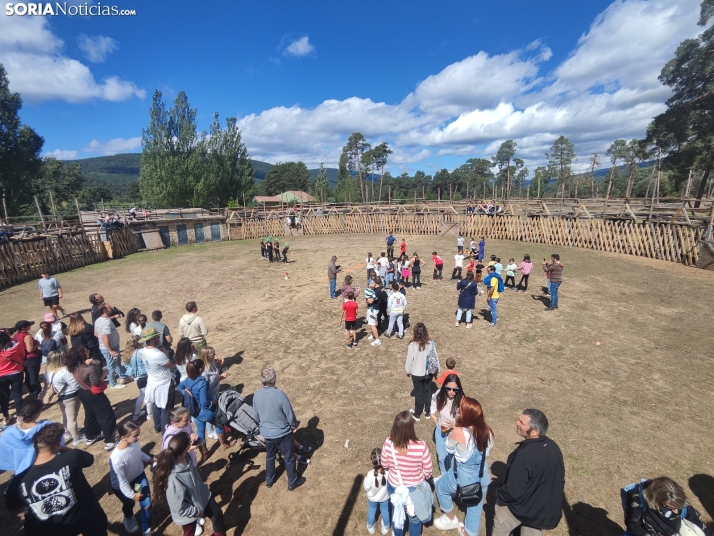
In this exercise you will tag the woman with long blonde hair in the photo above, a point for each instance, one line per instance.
(66, 387)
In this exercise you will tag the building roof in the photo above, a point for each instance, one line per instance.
(266, 199)
(295, 195)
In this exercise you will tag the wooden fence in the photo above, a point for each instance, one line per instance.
(656, 240)
(22, 261)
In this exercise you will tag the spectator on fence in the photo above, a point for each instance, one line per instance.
(51, 293)
(108, 337)
(81, 333)
(192, 326)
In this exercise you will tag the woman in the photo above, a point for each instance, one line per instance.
(56, 485)
(444, 412)
(468, 290)
(99, 419)
(67, 389)
(408, 464)
(16, 441)
(184, 355)
(416, 271)
(659, 507)
(416, 367)
(176, 481)
(196, 386)
(33, 356)
(469, 443)
(81, 333)
(136, 369)
(12, 362)
(132, 321)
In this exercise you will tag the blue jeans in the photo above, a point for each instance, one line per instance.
(444, 458)
(115, 368)
(144, 503)
(333, 284)
(205, 416)
(372, 512)
(459, 312)
(390, 278)
(553, 291)
(467, 474)
(494, 312)
(414, 523)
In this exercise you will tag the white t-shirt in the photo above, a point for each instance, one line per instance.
(61, 378)
(155, 363)
(182, 368)
(370, 263)
(383, 262)
(459, 260)
(405, 264)
(460, 241)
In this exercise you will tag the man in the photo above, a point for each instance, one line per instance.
(108, 337)
(555, 278)
(492, 282)
(531, 495)
(370, 296)
(165, 335)
(51, 293)
(277, 426)
(332, 271)
(192, 326)
(390, 240)
(396, 305)
(160, 387)
(97, 301)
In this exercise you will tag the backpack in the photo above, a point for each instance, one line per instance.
(432, 361)
(627, 490)
(190, 403)
(48, 345)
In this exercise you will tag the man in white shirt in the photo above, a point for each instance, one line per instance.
(396, 304)
(458, 266)
(160, 387)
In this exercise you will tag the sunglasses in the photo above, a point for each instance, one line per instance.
(452, 389)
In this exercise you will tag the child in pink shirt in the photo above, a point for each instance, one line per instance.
(525, 268)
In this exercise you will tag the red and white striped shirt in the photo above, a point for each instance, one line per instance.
(414, 465)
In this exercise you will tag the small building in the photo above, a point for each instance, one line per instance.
(295, 196)
(266, 201)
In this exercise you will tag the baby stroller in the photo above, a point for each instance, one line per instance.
(235, 413)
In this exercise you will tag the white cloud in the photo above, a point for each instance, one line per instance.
(117, 145)
(299, 48)
(39, 69)
(97, 48)
(606, 88)
(59, 154)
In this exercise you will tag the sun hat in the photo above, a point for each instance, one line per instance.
(49, 317)
(21, 324)
(149, 333)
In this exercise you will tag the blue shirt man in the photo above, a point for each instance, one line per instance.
(277, 425)
(390, 240)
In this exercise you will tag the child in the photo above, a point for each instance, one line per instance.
(349, 315)
(276, 247)
(525, 268)
(402, 288)
(126, 469)
(176, 481)
(473, 248)
(403, 248)
(460, 244)
(450, 365)
(285, 254)
(511, 273)
(458, 266)
(269, 248)
(406, 272)
(370, 267)
(396, 305)
(375, 484)
(470, 267)
(179, 421)
(263, 253)
(51, 293)
(398, 269)
(131, 357)
(142, 320)
(438, 266)
(492, 262)
(478, 274)
(498, 266)
(213, 375)
(481, 249)
(390, 271)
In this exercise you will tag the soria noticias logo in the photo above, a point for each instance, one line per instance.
(22, 9)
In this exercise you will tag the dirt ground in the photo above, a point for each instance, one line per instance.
(639, 405)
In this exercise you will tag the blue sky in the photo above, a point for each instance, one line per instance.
(441, 82)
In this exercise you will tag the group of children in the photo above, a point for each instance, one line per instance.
(390, 270)
(270, 250)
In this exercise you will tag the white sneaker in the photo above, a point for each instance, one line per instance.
(213, 436)
(385, 529)
(201, 521)
(377, 342)
(370, 337)
(199, 530)
(119, 386)
(413, 415)
(371, 529)
(444, 523)
(131, 525)
(110, 446)
(146, 533)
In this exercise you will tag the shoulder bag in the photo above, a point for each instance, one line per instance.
(48, 393)
(471, 494)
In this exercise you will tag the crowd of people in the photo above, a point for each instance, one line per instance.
(73, 363)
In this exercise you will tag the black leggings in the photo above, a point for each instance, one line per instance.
(212, 511)
(437, 271)
(416, 281)
(523, 283)
(10, 382)
(32, 374)
(512, 279)
(456, 273)
(98, 415)
(422, 394)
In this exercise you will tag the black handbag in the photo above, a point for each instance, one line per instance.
(471, 494)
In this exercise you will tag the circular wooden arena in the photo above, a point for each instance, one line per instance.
(638, 405)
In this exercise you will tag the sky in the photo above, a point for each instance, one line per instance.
(440, 82)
